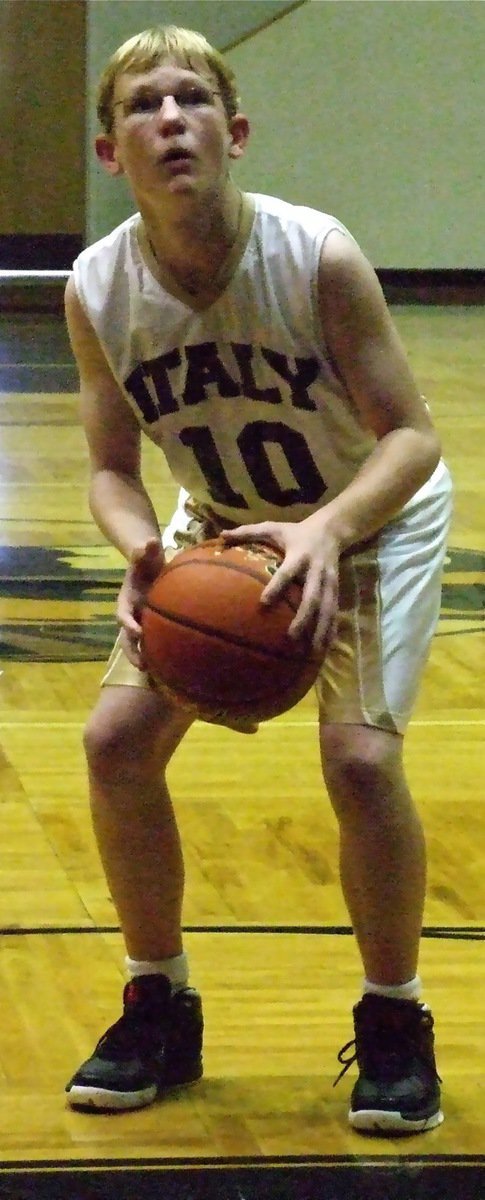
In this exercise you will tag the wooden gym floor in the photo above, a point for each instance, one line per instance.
(266, 929)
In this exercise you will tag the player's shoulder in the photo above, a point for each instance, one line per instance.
(109, 245)
(100, 269)
(273, 211)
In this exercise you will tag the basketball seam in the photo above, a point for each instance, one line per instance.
(228, 567)
(231, 640)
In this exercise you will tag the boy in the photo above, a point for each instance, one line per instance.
(250, 340)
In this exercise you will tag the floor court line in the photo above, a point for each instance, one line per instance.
(264, 725)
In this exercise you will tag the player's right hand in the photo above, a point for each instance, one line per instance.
(145, 564)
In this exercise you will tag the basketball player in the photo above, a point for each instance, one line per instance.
(250, 341)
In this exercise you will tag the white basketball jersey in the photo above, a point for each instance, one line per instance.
(241, 394)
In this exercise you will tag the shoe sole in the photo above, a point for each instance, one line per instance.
(100, 1100)
(93, 1099)
(369, 1120)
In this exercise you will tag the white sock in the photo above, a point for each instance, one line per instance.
(399, 991)
(175, 969)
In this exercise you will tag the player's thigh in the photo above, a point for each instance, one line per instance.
(389, 604)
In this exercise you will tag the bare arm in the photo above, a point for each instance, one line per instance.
(119, 502)
(369, 356)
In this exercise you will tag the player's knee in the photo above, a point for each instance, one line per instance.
(132, 734)
(108, 743)
(360, 766)
(118, 743)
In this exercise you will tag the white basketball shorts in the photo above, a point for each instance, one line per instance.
(389, 603)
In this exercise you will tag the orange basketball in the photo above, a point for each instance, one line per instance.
(207, 638)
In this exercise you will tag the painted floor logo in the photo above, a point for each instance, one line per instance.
(57, 604)
(463, 595)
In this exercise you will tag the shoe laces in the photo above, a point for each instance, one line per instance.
(346, 1063)
(144, 1008)
(387, 1035)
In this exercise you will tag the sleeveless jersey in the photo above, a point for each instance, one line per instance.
(240, 395)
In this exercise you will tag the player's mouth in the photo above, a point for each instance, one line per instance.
(177, 158)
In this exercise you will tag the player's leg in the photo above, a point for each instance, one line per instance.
(129, 740)
(382, 863)
(157, 1042)
(389, 600)
(389, 605)
(382, 849)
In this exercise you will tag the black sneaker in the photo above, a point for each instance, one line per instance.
(398, 1086)
(156, 1044)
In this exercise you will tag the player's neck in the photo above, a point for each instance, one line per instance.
(193, 241)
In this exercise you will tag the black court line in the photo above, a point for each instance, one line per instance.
(255, 1162)
(453, 932)
(316, 1178)
(442, 633)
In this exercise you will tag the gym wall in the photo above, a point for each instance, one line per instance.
(369, 109)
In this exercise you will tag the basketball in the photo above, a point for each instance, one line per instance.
(207, 638)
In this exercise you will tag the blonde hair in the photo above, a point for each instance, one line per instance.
(152, 47)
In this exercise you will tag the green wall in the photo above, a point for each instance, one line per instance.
(370, 109)
(378, 117)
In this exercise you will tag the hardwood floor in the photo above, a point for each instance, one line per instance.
(267, 931)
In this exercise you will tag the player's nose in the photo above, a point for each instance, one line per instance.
(170, 115)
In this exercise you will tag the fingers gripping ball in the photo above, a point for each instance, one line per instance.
(207, 638)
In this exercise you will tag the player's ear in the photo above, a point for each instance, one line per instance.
(107, 153)
(239, 131)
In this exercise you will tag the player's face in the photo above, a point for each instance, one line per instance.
(171, 130)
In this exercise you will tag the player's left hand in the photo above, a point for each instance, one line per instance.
(311, 556)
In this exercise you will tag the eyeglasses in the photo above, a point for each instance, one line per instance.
(147, 103)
